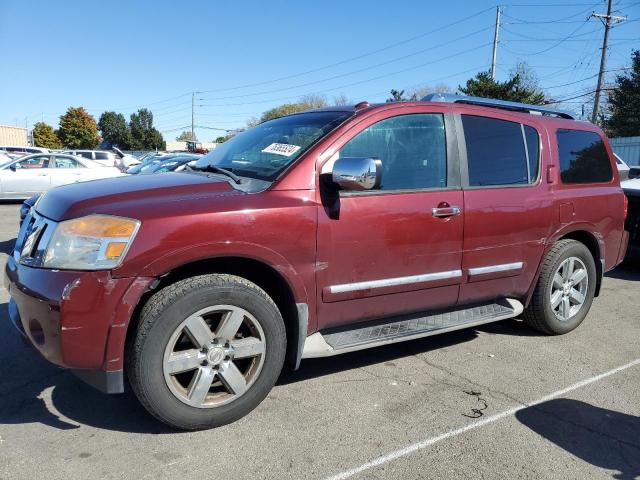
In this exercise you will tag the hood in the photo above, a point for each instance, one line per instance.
(135, 196)
(631, 187)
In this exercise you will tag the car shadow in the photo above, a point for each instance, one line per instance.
(6, 246)
(35, 391)
(604, 438)
(628, 270)
(320, 367)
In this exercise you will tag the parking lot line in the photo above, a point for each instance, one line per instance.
(389, 457)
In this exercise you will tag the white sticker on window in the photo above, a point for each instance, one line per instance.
(282, 149)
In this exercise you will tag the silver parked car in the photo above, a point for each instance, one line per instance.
(37, 173)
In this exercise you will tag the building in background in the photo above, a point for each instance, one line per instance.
(628, 149)
(13, 136)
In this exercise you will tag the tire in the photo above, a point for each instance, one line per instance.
(541, 313)
(185, 362)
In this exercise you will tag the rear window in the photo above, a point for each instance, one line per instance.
(500, 152)
(583, 157)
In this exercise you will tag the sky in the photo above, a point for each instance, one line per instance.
(244, 57)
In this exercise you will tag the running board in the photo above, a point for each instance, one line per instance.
(407, 327)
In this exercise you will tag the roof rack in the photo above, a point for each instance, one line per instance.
(503, 104)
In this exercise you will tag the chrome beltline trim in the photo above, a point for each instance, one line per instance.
(495, 268)
(392, 282)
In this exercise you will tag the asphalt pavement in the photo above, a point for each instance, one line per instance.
(501, 401)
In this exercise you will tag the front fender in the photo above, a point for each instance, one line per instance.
(210, 250)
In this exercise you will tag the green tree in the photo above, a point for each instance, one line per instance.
(115, 130)
(143, 135)
(624, 102)
(224, 139)
(78, 129)
(307, 102)
(184, 137)
(396, 96)
(45, 136)
(513, 89)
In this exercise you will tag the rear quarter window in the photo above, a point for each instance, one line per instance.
(583, 157)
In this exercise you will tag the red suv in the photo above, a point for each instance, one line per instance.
(315, 234)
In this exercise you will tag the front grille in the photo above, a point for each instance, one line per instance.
(32, 241)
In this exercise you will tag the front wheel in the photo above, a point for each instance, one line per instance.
(565, 289)
(206, 352)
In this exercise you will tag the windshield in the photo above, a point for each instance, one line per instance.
(268, 149)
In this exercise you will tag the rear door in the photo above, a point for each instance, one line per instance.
(389, 251)
(508, 207)
(67, 170)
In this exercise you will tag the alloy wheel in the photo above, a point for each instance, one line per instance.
(569, 288)
(214, 356)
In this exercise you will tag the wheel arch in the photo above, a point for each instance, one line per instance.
(294, 311)
(583, 234)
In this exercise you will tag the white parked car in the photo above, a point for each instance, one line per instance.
(116, 158)
(623, 168)
(37, 173)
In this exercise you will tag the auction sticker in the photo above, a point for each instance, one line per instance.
(282, 149)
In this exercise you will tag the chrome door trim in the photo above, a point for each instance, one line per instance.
(393, 282)
(504, 267)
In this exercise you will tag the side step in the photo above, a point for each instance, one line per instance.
(406, 327)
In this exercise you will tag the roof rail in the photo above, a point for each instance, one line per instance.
(490, 102)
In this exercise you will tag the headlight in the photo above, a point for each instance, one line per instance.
(95, 242)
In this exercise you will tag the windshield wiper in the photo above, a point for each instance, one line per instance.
(214, 169)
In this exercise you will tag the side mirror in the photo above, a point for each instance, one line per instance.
(357, 173)
(634, 172)
(15, 167)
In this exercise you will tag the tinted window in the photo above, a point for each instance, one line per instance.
(41, 161)
(496, 152)
(412, 149)
(583, 157)
(88, 155)
(66, 162)
(103, 156)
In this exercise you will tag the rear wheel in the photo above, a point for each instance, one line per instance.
(565, 289)
(207, 351)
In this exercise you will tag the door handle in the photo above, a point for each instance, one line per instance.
(42, 174)
(444, 212)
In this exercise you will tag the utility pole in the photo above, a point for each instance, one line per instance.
(193, 106)
(607, 20)
(496, 39)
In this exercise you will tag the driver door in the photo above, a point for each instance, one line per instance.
(27, 177)
(389, 251)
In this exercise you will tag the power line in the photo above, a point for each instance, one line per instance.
(556, 44)
(580, 96)
(587, 78)
(529, 38)
(364, 69)
(353, 83)
(357, 57)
